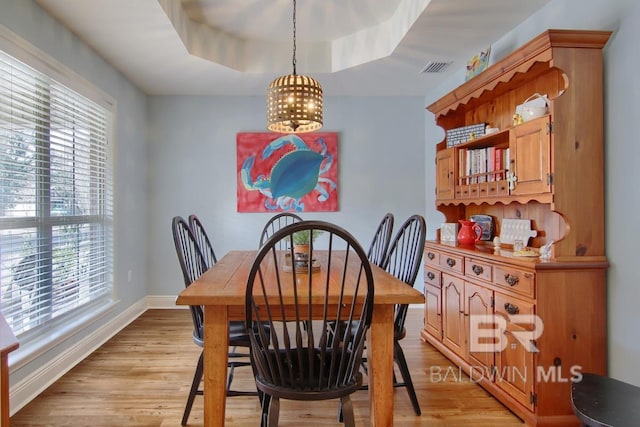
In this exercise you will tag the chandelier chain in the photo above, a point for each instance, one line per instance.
(294, 37)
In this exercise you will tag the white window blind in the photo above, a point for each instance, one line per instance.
(56, 212)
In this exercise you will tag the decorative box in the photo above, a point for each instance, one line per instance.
(463, 134)
(449, 232)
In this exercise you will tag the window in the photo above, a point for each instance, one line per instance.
(56, 211)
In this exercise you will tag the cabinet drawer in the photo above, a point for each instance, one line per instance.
(477, 269)
(452, 263)
(432, 276)
(507, 305)
(515, 280)
(431, 257)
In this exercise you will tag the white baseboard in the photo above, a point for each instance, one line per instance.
(162, 301)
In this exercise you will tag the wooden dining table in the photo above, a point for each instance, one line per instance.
(221, 291)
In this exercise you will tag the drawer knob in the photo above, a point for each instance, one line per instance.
(511, 308)
(511, 279)
(477, 269)
(431, 255)
(451, 262)
(430, 275)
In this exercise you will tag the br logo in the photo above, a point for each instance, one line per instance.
(488, 332)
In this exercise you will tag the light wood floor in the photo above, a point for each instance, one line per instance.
(141, 377)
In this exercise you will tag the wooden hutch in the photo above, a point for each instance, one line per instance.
(557, 166)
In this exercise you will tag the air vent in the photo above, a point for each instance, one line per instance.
(435, 67)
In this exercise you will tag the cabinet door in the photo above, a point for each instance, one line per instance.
(453, 328)
(445, 178)
(433, 310)
(530, 145)
(514, 366)
(479, 311)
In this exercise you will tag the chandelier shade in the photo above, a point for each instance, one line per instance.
(294, 102)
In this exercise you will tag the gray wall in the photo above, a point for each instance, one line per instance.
(29, 21)
(622, 152)
(192, 169)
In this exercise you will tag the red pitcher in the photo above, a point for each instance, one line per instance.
(469, 233)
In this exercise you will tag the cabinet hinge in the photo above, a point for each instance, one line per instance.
(549, 128)
(549, 179)
(533, 398)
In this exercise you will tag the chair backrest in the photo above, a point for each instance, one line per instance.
(192, 264)
(404, 257)
(381, 239)
(289, 351)
(202, 238)
(277, 222)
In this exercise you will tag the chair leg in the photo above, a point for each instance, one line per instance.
(346, 410)
(274, 412)
(230, 376)
(406, 376)
(197, 377)
(265, 401)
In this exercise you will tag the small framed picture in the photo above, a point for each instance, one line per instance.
(449, 232)
(477, 64)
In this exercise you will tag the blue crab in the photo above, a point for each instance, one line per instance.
(294, 175)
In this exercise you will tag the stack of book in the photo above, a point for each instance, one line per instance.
(476, 165)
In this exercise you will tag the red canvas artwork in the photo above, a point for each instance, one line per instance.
(290, 172)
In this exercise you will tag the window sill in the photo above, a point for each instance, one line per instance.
(37, 344)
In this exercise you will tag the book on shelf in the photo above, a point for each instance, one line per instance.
(507, 159)
(462, 171)
(499, 153)
(491, 163)
(478, 165)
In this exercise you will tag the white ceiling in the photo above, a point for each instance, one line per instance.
(237, 47)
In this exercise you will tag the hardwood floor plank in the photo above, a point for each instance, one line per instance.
(141, 377)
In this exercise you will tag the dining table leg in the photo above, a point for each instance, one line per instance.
(216, 353)
(380, 361)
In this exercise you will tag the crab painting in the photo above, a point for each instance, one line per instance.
(291, 174)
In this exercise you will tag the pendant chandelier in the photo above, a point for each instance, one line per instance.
(294, 102)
